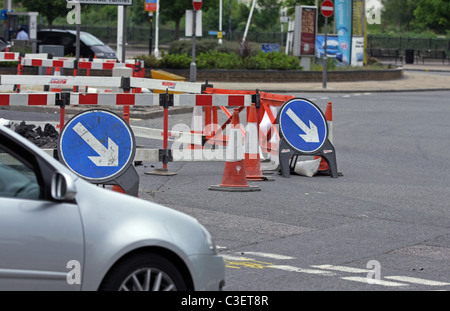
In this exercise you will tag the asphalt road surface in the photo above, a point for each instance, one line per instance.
(383, 225)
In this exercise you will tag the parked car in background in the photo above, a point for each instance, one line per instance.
(60, 232)
(4, 45)
(90, 46)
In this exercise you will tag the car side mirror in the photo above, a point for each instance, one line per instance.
(63, 187)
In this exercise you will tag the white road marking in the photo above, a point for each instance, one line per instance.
(389, 281)
(301, 270)
(269, 255)
(342, 269)
(237, 258)
(373, 281)
(416, 280)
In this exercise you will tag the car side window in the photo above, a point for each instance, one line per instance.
(52, 40)
(17, 178)
(68, 41)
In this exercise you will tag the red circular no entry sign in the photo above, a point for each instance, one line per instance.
(327, 8)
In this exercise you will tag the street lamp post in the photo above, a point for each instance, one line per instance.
(197, 7)
(193, 70)
(150, 43)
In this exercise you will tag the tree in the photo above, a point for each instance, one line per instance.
(398, 14)
(50, 9)
(175, 10)
(268, 16)
(433, 14)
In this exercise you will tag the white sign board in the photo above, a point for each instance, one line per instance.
(110, 2)
(189, 23)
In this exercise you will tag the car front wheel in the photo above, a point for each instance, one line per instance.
(144, 272)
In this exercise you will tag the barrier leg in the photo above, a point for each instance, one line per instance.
(208, 122)
(19, 73)
(165, 157)
(126, 113)
(62, 113)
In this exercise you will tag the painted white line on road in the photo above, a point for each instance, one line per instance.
(416, 280)
(236, 258)
(301, 270)
(342, 269)
(269, 255)
(373, 281)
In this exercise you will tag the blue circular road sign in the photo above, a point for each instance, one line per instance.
(97, 145)
(303, 125)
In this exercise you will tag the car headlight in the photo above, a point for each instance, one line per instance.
(100, 55)
(209, 240)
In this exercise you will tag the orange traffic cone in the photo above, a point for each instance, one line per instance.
(234, 177)
(323, 167)
(118, 189)
(252, 157)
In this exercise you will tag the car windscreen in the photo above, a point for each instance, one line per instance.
(90, 40)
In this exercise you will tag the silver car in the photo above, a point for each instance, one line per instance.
(59, 232)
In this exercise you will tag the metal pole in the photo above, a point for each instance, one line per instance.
(220, 19)
(77, 43)
(248, 25)
(124, 34)
(157, 30)
(193, 72)
(77, 55)
(325, 57)
(150, 44)
(120, 28)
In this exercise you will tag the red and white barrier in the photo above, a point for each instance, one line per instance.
(30, 99)
(107, 82)
(9, 56)
(70, 64)
(60, 80)
(212, 100)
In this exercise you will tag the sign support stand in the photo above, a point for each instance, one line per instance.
(303, 132)
(128, 181)
(288, 157)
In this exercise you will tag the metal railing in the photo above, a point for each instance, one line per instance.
(403, 43)
(140, 35)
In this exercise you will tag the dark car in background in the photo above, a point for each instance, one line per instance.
(90, 46)
(4, 45)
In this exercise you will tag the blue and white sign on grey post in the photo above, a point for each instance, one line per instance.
(303, 125)
(97, 145)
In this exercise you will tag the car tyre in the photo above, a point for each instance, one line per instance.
(144, 272)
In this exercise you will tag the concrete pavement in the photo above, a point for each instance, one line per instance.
(416, 77)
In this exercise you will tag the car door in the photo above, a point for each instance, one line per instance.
(41, 240)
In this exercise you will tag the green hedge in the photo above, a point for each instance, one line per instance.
(211, 55)
(222, 60)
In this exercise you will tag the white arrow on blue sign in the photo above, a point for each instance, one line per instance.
(303, 125)
(97, 145)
